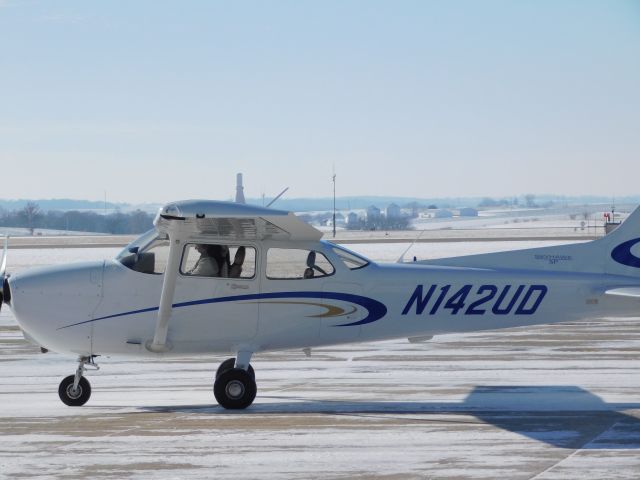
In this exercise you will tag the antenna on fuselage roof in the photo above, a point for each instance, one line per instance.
(401, 259)
(279, 195)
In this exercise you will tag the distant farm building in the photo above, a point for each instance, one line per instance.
(373, 213)
(339, 220)
(393, 211)
(352, 218)
(443, 213)
(468, 212)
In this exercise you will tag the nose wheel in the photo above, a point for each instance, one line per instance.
(75, 390)
(235, 388)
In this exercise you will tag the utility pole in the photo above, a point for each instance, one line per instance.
(334, 201)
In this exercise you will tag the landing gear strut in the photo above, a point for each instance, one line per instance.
(75, 390)
(235, 385)
(229, 364)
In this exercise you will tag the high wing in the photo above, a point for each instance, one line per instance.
(226, 220)
(214, 220)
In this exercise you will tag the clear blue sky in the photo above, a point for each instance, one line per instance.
(156, 101)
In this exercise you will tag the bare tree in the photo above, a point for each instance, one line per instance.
(30, 214)
(531, 200)
(140, 221)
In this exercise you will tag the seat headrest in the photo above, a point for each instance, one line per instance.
(311, 259)
(238, 259)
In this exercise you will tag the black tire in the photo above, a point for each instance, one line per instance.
(235, 389)
(78, 398)
(229, 364)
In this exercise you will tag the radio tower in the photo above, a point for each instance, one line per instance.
(239, 189)
(334, 201)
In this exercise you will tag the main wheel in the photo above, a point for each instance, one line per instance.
(235, 389)
(229, 364)
(77, 398)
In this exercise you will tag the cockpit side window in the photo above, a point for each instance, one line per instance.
(216, 260)
(293, 263)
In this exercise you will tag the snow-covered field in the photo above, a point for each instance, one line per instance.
(25, 232)
(550, 402)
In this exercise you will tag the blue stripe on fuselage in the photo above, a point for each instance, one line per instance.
(376, 310)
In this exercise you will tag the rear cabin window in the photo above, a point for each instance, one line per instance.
(293, 263)
(217, 260)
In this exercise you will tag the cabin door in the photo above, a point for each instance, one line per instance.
(219, 304)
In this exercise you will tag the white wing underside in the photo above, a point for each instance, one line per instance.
(225, 220)
(628, 292)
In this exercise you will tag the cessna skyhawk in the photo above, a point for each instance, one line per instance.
(217, 277)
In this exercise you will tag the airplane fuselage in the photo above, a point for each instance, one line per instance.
(105, 308)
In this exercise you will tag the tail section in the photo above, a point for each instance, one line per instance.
(617, 253)
(623, 246)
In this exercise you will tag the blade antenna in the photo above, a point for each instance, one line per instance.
(279, 195)
(401, 259)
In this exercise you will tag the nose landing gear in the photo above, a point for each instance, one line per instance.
(75, 390)
(235, 384)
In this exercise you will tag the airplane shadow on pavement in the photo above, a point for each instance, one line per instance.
(561, 416)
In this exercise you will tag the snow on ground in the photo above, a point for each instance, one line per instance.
(560, 401)
(25, 232)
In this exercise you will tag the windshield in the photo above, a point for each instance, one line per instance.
(147, 254)
(352, 260)
(140, 243)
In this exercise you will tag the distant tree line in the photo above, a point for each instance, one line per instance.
(32, 217)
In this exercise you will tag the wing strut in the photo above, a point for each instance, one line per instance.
(160, 343)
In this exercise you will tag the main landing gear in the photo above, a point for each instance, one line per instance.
(75, 390)
(235, 385)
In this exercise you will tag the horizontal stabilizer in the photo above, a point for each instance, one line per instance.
(631, 292)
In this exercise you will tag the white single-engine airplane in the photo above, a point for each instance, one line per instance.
(216, 277)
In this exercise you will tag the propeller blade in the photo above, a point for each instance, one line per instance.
(3, 269)
(3, 266)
